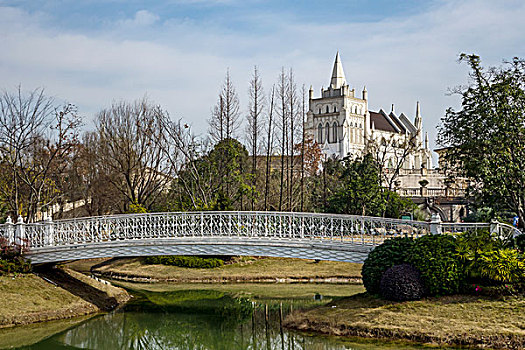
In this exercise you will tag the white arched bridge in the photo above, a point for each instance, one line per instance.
(281, 234)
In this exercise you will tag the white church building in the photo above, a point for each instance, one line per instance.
(341, 123)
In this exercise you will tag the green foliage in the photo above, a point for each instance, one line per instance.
(520, 243)
(394, 251)
(184, 261)
(222, 202)
(502, 265)
(485, 138)
(136, 208)
(483, 255)
(469, 248)
(217, 180)
(11, 259)
(481, 215)
(420, 214)
(402, 283)
(395, 205)
(359, 191)
(435, 258)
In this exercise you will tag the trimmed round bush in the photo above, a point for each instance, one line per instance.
(394, 251)
(434, 256)
(402, 283)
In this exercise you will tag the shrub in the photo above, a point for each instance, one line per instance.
(12, 260)
(185, 261)
(503, 265)
(484, 257)
(435, 258)
(402, 283)
(394, 251)
(520, 242)
(469, 248)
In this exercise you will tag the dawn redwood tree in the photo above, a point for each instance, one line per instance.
(270, 130)
(485, 139)
(225, 118)
(254, 123)
(283, 121)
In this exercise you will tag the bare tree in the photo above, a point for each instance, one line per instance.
(35, 140)
(293, 110)
(88, 178)
(391, 154)
(283, 113)
(303, 140)
(185, 155)
(132, 142)
(225, 119)
(269, 146)
(254, 125)
(216, 123)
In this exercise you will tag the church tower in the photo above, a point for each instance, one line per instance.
(338, 120)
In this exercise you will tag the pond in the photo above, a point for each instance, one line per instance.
(197, 316)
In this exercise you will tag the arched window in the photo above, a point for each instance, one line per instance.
(334, 132)
(319, 110)
(335, 109)
(327, 132)
(320, 133)
(327, 109)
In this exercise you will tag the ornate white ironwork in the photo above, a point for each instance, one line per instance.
(287, 234)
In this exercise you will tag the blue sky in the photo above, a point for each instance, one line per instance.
(177, 51)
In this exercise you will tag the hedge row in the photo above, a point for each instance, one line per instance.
(185, 261)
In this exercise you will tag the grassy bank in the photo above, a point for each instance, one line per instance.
(243, 270)
(31, 298)
(453, 320)
(257, 291)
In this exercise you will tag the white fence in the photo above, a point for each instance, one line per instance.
(223, 227)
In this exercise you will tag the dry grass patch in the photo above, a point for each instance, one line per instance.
(456, 320)
(246, 269)
(28, 298)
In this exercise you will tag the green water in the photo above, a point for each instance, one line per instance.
(195, 317)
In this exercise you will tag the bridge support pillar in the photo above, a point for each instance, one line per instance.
(49, 232)
(10, 232)
(435, 224)
(20, 232)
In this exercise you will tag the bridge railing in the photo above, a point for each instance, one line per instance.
(360, 230)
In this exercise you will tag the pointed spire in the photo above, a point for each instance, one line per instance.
(426, 140)
(338, 75)
(418, 121)
(392, 111)
(365, 93)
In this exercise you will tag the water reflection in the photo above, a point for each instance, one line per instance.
(195, 320)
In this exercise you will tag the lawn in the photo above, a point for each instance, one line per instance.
(244, 269)
(455, 320)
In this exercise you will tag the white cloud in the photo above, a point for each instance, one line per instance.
(142, 18)
(181, 63)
